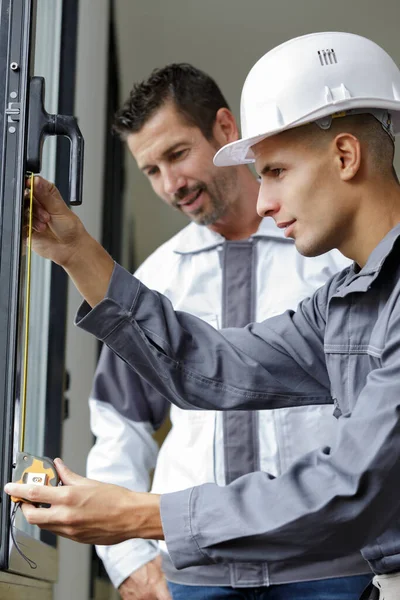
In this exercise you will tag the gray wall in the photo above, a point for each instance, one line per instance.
(224, 38)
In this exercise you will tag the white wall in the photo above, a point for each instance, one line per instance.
(74, 573)
(225, 38)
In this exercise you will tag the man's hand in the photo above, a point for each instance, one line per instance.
(57, 231)
(147, 583)
(90, 512)
(58, 234)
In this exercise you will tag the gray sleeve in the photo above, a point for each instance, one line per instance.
(328, 502)
(332, 501)
(193, 365)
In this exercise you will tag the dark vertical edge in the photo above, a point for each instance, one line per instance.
(15, 39)
(56, 377)
(5, 416)
(114, 167)
(114, 173)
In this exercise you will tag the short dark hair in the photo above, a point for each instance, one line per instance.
(195, 95)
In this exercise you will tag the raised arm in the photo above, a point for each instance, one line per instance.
(183, 358)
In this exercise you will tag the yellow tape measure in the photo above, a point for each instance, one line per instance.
(27, 317)
(29, 468)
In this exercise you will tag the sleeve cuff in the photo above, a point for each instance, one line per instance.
(176, 517)
(116, 306)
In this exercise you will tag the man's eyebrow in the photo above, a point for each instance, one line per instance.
(166, 153)
(264, 170)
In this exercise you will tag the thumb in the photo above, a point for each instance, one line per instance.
(67, 476)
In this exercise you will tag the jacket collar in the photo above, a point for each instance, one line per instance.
(360, 280)
(198, 238)
(380, 253)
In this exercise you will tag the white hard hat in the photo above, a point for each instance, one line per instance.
(308, 78)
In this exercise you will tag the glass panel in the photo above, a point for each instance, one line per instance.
(46, 64)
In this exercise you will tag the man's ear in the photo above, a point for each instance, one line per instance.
(225, 129)
(347, 149)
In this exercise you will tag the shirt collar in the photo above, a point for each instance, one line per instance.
(198, 238)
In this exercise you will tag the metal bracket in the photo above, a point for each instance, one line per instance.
(13, 111)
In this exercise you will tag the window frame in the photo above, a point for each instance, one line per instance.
(15, 36)
(16, 43)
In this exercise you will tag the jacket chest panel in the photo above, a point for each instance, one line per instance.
(197, 287)
(354, 341)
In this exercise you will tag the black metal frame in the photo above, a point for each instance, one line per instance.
(16, 18)
(15, 39)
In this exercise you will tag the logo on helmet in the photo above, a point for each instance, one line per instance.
(327, 57)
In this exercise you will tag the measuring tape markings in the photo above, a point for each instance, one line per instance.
(29, 468)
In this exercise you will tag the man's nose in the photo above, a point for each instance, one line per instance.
(173, 181)
(267, 203)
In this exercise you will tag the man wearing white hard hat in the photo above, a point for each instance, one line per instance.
(319, 115)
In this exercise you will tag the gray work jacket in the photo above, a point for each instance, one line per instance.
(343, 342)
(226, 283)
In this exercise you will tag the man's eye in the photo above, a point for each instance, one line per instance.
(271, 173)
(151, 171)
(177, 155)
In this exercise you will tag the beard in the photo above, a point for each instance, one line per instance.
(220, 192)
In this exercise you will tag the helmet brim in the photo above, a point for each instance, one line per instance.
(240, 152)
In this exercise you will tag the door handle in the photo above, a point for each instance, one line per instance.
(40, 125)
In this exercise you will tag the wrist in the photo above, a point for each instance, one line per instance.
(80, 249)
(90, 267)
(144, 516)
